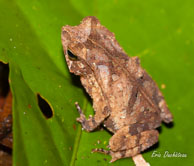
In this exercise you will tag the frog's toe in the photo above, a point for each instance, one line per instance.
(101, 150)
(81, 119)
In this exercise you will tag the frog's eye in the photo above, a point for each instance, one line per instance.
(71, 55)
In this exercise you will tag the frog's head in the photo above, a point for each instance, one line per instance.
(75, 46)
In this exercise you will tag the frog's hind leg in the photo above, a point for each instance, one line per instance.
(165, 113)
(155, 93)
(117, 155)
(126, 145)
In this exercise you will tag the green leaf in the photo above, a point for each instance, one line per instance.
(159, 32)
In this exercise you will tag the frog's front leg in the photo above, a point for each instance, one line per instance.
(122, 144)
(93, 122)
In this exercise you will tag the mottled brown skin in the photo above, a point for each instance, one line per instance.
(125, 98)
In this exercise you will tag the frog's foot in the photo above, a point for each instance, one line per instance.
(101, 150)
(107, 152)
(116, 155)
(87, 124)
(82, 117)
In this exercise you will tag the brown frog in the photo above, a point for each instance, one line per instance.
(125, 98)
